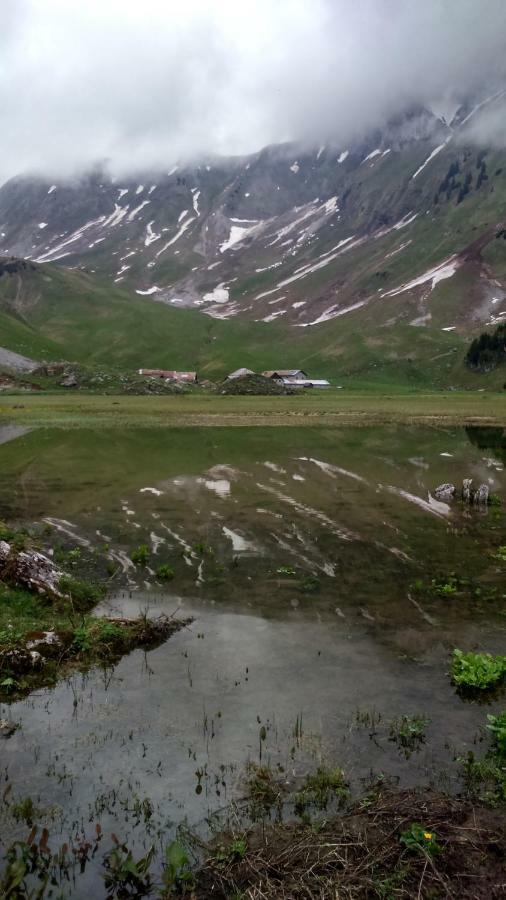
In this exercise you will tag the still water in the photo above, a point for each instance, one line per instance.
(312, 562)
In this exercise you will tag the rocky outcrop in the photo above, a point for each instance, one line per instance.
(445, 492)
(30, 569)
(478, 497)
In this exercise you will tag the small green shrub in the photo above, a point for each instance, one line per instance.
(497, 725)
(478, 671)
(82, 639)
(9, 685)
(107, 631)
(165, 572)
(141, 555)
(419, 839)
(81, 592)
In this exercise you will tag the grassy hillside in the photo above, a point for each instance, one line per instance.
(52, 313)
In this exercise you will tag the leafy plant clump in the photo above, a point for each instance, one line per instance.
(497, 725)
(477, 671)
(409, 732)
(83, 594)
(141, 555)
(419, 839)
(165, 572)
(320, 788)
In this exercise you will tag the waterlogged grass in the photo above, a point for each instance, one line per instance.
(308, 408)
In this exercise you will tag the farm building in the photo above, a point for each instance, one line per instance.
(296, 378)
(239, 373)
(281, 374)
(169, 375)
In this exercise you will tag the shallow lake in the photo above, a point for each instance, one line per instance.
(315, 563)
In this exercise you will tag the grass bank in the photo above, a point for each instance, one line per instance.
(312, 408)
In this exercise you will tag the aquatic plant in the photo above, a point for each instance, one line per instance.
(141, 555)
(478, 671)
(497, 725)
(408, 731)
(485, 778)
(262, 789)
(320, 787)
(176, 868)
(123, 875)
(165, 572)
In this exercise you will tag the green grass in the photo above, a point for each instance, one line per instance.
(311, 408)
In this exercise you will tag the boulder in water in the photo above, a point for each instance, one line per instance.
(467, 490)
(480, 496)
(445, 492)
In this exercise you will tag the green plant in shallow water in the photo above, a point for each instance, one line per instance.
(125, 877)
(176, 870)
(165, 572)
(140, 556)
(319, 788)
(419, 839)
(497, 725)
(408, 731)
(478, 671)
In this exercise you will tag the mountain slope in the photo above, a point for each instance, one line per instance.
(50, 313)
(378, 260)
(285, 233)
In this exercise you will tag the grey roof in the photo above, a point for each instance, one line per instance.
(239, 372)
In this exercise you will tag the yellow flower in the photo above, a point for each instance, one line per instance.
(427, 835)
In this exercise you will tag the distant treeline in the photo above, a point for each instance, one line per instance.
(488, 350)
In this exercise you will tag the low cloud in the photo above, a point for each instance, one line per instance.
(146, 84)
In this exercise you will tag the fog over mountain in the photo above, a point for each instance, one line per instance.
(145, 84)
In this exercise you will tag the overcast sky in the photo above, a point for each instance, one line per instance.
(147, 82)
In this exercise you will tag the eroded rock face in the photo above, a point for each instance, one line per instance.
(445, 492)
(30, 569)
